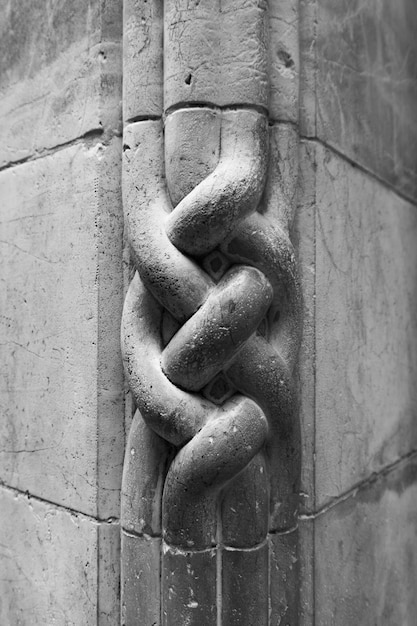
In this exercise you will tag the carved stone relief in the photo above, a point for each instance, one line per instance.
(211, 324)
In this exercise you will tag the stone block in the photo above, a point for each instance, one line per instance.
(142, 59)
(51, 560)
(365, 556)
(215, 53)
(64, 84)
(307, 79)
(366, 325)
(284, 64)
(284, 578)
(245, 595)
(62, 379)
(141, 572)
(306, 573)
(366, 85)
(189, 587)
(108, 579)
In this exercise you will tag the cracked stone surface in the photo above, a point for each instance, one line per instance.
(361, 298)
(359, 82)
(51, 560)
(60, 74)
(366, 562)
(61, 390)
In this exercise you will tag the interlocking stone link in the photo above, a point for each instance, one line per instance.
(211, 323)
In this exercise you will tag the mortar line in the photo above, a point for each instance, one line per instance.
(244, 106)
(91, 137)
(360, 486)
(361, 168)
(314, 399)
(133, 534)
(29, 496)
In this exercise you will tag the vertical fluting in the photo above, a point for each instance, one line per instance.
(210, 327)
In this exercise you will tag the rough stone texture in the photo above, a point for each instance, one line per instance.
(284, 578)
(245, 597)
(144, 471)
(215, 52)
(187, 603)
(61, 390)
(366, 562)
(304, 241)
(360, 92)
(366, 326)
(142, 58)
(60, 73)
(358, 263)
(141, 572)
(143, 72)
(306, 575)
(51, 560)
(284, 63)
(61, 237)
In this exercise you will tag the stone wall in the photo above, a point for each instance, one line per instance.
(62, 426)
(357, 229)
(61, 246)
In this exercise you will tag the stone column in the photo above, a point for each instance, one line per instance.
(211, 324)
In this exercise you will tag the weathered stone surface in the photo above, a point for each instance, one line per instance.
(108, 578)
(61, 390)
(141, 572)
(144, 471)
(142, 58)
(218, 443)
(304, 241)
(189, 587)
(51, 562)
(306, 573)
(244, 506)
(245, 594)
(62, 84)
(284, 578)
(366, 563)
(283, 69)
(215, 52)
(191, 147)
(307, 47)
(366, 325)
(366, 85)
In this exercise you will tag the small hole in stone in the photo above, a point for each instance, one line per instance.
(285, 58)
(188, 79)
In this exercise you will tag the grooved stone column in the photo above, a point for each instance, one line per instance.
(211, 323)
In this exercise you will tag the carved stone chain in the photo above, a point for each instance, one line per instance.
(210, 335)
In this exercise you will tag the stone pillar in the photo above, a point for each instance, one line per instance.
(212, 318)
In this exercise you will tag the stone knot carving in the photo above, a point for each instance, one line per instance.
(211, 327)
